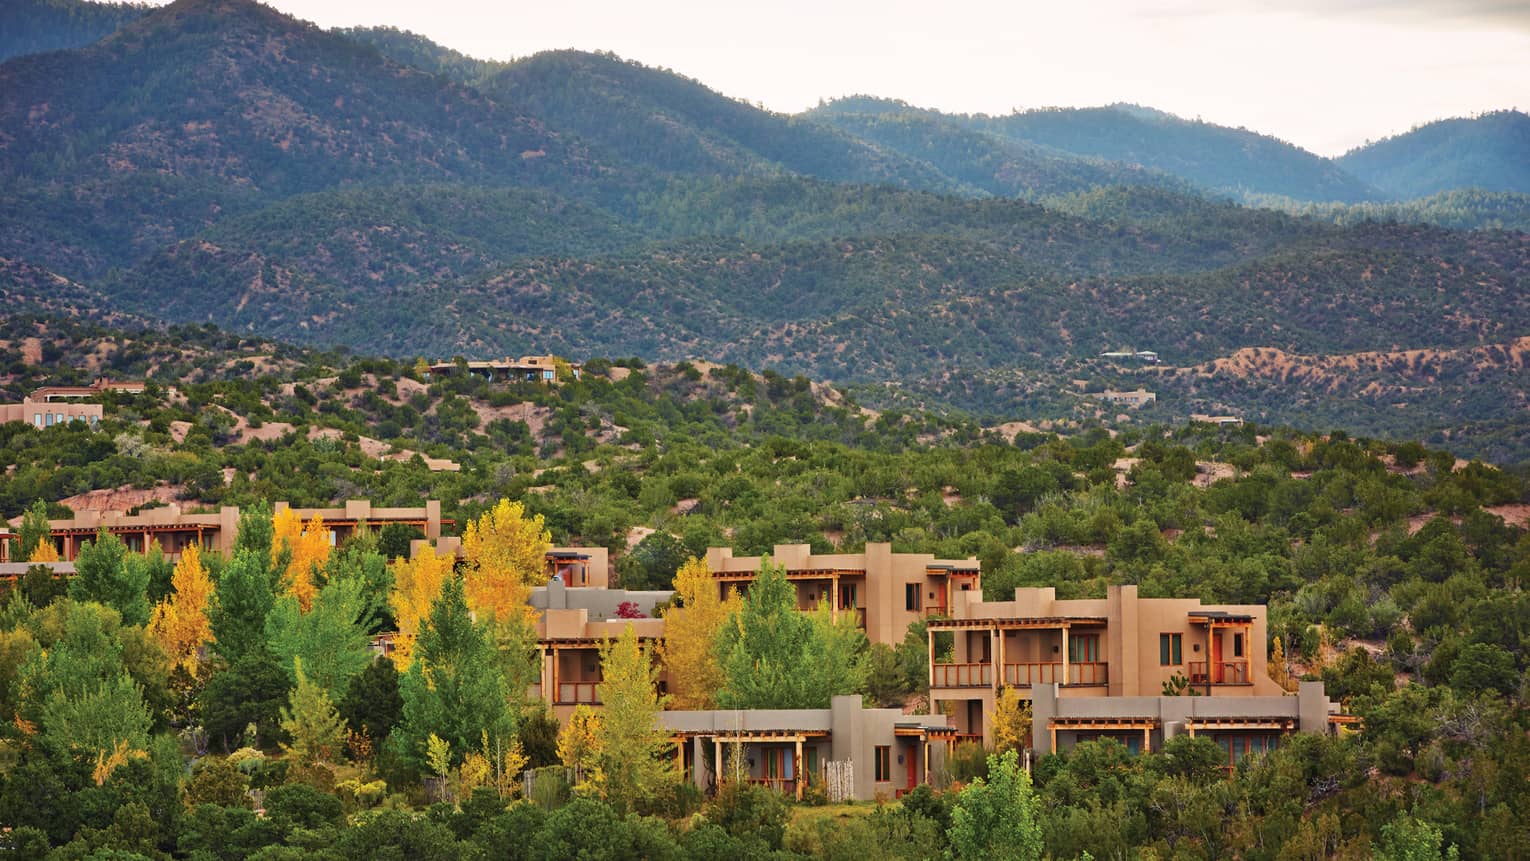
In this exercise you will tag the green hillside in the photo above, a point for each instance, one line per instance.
(1490, 152)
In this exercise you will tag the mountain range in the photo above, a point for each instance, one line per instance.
(216, 161)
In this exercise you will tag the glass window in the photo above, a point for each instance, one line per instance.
(1084, 649)
(1237, 645)
(883, 763)
(911, 596)
(1170, 652)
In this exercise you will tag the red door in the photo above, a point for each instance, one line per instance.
(913, 775)
(1216, 659)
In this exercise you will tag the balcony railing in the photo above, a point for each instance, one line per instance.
(963, 675)
(1219, 672)
(570, 693)
(1029, 673)
(934, 611)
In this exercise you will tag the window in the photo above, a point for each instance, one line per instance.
(37, 419)
(1084, 649)
(911, 596)
(1169, 650)
(884, 763)
(846, 597)
(1237, 645)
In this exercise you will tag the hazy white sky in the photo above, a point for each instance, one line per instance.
(1324, 74)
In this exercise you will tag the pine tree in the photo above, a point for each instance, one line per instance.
(638, 756)
(506, 555)
(180, 624)
(454, 688)
(689, 650)
(312, 721)
(243, 600)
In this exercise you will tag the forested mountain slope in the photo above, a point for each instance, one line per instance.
(35, 26)
(1489, 152)
(1215, 158)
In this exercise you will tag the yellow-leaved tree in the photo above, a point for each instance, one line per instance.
(1011, 721)
(580, 748)
(640, 756)
(416, 584)
(506, 556)
(689, 650)
(180, 623)
(44, 552)
(308, 549)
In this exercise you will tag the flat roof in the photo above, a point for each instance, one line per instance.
(1015, 622)
(1221, 616)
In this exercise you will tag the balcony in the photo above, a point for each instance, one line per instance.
(1026, 674)
(573, 693)
(1219, 673)
(962, 675)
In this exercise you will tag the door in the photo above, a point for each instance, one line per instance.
(1216, 658)
(911, 756)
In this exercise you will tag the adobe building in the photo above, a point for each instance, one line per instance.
(1134, 398)
(174, 529)
(886, 591)
(888, 753)
(575, 623)
(530, 369)
(1103, 659)
(46, 414)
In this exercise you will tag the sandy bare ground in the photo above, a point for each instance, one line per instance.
(122, 498)
(534, 416)
(636, 534)
(1010, 430)
(1209, 472)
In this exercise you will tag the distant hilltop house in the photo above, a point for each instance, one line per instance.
(531, 369)
(1219, 421)
(44, 414)
(50, 405)
(54, 394)
(1148, 356)
(1135, 398)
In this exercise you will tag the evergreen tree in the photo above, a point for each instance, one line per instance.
(372, 704)
(102, 573)
(315, 727)
(455, 688)
(244, 600)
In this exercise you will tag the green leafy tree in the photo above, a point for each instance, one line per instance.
(774, 656)
(331, 639)
(244, 598)
(316, 729)
(997, 817)
(1484, 667)
(103, 573)
(638, 755)
(34, 529)
(454, 688)
(653, 562)
(1408, 839)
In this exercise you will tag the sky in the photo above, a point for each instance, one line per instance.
(1327, 75)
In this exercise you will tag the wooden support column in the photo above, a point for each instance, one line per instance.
(999, 678)
(834, 598)
(556, 693)
(931, 661)
(797, 768)
(1065, 677)
(717, 764)
(1054, 739)
(1190, 728)
(994, 642)
(1147, 739)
